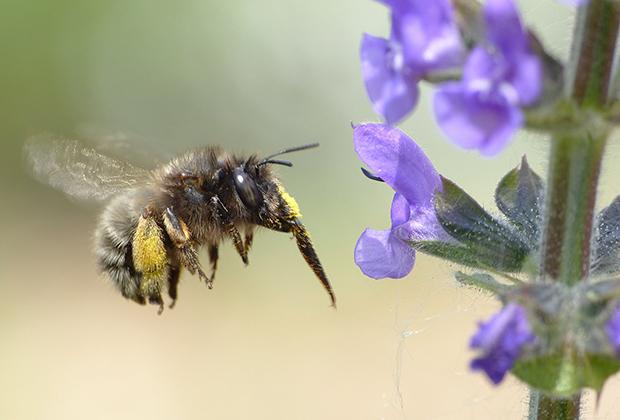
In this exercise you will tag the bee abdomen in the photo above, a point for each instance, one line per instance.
(113, 247)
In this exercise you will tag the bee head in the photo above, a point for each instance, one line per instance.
(238, 188)
(252, 181)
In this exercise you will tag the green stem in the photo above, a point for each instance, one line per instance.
(593, 52)
(574, 168)
(543, 407)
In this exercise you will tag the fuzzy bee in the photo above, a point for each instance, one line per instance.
(155, 221)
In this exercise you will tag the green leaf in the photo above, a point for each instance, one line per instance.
(565, 374)
(485, 237)
(607, 250)
(481, 281)
(520, 196)
(482, 258)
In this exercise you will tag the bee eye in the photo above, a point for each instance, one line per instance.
(246, 188)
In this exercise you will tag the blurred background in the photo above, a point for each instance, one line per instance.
(263, 344)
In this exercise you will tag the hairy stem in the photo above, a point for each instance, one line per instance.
(543, 407)
(574, 168)
(593, 52)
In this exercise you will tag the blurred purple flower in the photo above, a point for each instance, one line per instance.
(399, 161)
(482, 111)
(424, 39)
(612, 328)
(428, 34)
(574, 2)
(391, 86)
(500, 340)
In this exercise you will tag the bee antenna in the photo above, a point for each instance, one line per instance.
(275, 162)
(284, 151)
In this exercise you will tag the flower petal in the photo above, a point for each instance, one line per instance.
(612, 329)
(398, 160)
(501, 340)
(428, 34)
(476, 120)
(483, 67)
(526, 78)
(391, 89)
(574, 2)
(520, 76)
(379, 255)
(400, 211)
(422, 226)
(504, 27)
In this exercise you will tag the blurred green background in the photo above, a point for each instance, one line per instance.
(263, 344)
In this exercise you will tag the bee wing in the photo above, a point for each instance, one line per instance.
(79, 171)
(123, 145)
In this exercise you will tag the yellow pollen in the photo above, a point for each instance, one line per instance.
(290, 202)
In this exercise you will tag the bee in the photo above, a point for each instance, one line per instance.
(155, 221)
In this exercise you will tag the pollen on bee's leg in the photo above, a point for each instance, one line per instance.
(150, 259)
(294, 211)
(152, 290)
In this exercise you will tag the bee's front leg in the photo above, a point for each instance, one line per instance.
(221, 213)
(234, 234)
(286, 218)
(181, 238)
(213, 257)
(249, 238)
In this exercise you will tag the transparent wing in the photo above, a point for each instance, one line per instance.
(78, 170)
(123, 145)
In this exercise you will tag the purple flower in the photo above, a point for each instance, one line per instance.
(612, 328)
(482, 111)
(424, 39)
(391, 86)
(500, 340)
(428, 34)
(399, 161)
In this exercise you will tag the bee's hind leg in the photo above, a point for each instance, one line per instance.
(156, 299)
(181, 238)
(173, 282)
(150, 258)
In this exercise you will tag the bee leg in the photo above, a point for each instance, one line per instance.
(249, 238)
(189, 258)
(173, 282)
(150, 258)
(180, 236)
(238, 242)
(157, 300)
(304, 243)
(223, 217)
(213, 257)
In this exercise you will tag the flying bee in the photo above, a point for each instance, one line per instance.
(155, 221)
